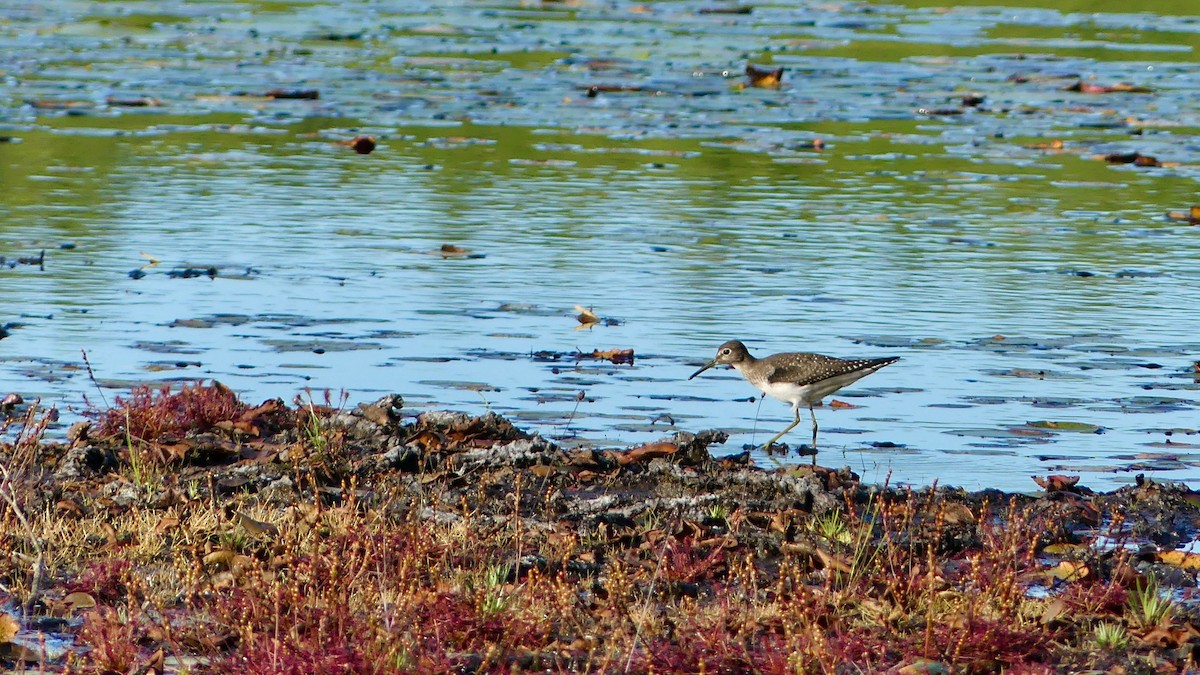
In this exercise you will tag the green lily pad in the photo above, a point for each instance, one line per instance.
(1081, 427)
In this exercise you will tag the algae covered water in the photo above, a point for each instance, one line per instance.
(981, 190)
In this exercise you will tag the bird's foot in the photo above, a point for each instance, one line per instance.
(773, 448)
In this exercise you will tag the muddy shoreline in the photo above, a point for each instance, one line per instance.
(188, 532)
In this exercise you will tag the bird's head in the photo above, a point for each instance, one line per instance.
(730, 353)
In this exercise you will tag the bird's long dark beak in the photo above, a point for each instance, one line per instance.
(708, 365)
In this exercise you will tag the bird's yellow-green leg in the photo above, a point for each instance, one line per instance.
(814, 418)
(784, 432)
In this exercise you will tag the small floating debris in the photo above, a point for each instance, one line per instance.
(740, 9)
(140, 102)
(39, 260)
(592, 91)
(361, 144)
(452, 251)
(617, 356)
(1192, 217)
(1119, 88)
(1057, 483)
(298, 94)
(10, 401)
(1134, 158)
(190, 273)
(587, 318)
(763, 78)
(1055, 144)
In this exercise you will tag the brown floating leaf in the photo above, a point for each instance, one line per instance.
(841, 405)
(1192, 217)
(1135, 158)
(761, 77)
(586, 316)
(1118, 88)
(614, 355)
(1056, 483)
(363, 145)
(1055, 144)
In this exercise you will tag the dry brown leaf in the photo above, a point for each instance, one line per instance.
(166, 523)
(256, 527)
(647, 452)
(1181, 559)
(1063, 549)
(362, 144)
(1055, 144)
(1054, 609)
(1166, 637)
(1068, 570)
(833, 562)
(957, 514)
(1056, 483)
(221, 557)
(841, 405)
(542, 471)
(614, 355)
(1192, 217)
(9, 627)
(586, 316)
(80, 600)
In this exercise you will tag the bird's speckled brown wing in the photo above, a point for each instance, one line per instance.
(803, 369)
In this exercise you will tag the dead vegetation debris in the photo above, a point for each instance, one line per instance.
(185, 530)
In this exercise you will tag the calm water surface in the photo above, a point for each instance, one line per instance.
(1020, 285)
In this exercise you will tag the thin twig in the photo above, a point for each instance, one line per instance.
(92, 376)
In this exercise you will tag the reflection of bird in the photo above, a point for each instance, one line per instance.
(761, 77)
(795, 377)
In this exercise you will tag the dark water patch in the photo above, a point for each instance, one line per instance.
(166, 347)
(465, 386)
(161, 366)
(319, 346)
(898, 342)
(1028, 373)
(1016, 434)
(1059, 402)
(1148, 404)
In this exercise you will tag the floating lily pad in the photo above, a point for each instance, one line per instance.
(1079, 427)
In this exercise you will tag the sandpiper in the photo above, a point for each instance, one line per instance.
(795, 377)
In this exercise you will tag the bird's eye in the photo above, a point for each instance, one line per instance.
(725, 351)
